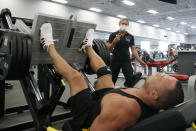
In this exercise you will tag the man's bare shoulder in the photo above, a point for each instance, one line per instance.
(117, 98)
(122, 111)
(127, 108)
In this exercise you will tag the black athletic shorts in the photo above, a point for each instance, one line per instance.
(85, 106)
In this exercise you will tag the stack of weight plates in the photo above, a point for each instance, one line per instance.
(15, 54)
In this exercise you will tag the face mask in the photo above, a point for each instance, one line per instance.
(123, 27)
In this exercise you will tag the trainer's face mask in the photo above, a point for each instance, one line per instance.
(123, 27)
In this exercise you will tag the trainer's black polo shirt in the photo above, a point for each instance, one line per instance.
(121, 48)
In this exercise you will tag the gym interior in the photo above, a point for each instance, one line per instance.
(33, 95)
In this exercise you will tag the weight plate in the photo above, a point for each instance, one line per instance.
(19, 55)
(12, 72)
(19, 61)
(5, 61)
(15, 65)
(25, 56)
(1, 39)
(101, 49)
(4, 66)
(4, 42)
(21, 65)
(29, 54)
(13, 53)
(106, 52)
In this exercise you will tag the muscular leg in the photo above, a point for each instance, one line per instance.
(76, 81)
(96, 62)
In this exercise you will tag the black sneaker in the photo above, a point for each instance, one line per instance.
(136, 78)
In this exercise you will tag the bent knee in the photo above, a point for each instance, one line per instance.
(105, 82)
(76, 77)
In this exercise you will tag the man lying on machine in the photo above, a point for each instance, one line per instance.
(109, 109)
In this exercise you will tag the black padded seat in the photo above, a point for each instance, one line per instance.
(175, 119)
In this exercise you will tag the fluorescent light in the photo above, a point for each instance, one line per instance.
(170, 18)
(168, 28)
(156, 25)
(152, 11)
(127, 2)
(141, 21)
(95, 9)
(183, 23)
(178, 31)
(193, 27)
(61, 1)
(186, 33)
(121, 16)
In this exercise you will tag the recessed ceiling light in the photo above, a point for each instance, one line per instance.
(183, 23)
(152, 11)
(170, 18)
(156, 25)
(61, 1)
(127, 2)
(95, 9)
(121, 16)
(141, 21)
(186, 33)
(178, 31)
(193, 27)
(168, 28)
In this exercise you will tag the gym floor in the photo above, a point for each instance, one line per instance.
(15, 97)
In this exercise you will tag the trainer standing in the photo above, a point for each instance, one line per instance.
(119, 43)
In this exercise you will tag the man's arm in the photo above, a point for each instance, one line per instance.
(116, 115)
(135, 54)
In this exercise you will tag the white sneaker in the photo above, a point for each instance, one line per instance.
(46, 35)
(88, 40)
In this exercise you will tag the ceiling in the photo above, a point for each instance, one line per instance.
(183, 11)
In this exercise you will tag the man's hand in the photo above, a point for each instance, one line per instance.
(143, 64)
(46, 36)
(116, 39)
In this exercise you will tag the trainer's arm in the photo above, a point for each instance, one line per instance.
(135, 54)
(113, 40)
(116, 116)
(110, 45)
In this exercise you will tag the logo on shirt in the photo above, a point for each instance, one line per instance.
(128, 38)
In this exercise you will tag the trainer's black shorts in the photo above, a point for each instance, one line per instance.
(85, 106)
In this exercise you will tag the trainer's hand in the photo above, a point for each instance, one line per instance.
(143, 64)
(46, 36)
(116, 39)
